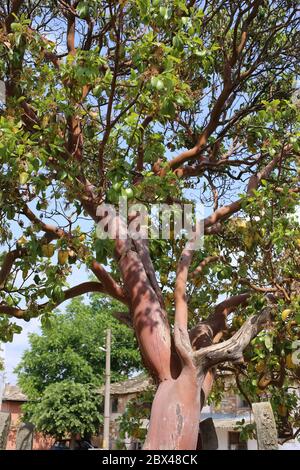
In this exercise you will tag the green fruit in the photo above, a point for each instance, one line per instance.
(127, 192)
(16, 27)
(157, 83)
(117, 186)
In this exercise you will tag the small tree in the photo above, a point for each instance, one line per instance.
(70, 353)
(65, 409)
(71, 347)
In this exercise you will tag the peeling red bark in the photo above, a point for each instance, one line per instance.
(149, 319)
(182, 386)
(175, 414)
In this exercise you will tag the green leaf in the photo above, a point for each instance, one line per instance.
(82, 9)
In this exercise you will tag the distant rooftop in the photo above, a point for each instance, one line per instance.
(13, 393)
(134, 385)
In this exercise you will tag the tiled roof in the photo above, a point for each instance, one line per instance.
(13, 393)
(136, 384)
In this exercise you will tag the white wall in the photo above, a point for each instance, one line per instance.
(252, 444)
(223, 440)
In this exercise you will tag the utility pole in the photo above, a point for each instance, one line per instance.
(107, 392)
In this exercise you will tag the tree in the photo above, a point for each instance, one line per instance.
(162, 102)
(65, 409)
(71, 348)
(64, 368)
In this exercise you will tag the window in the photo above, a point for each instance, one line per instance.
(114, 405)
(234, 442)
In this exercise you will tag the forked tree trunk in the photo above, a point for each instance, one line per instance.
(181, 363)
(175, 414)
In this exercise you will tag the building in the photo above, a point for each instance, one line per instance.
(12, 401)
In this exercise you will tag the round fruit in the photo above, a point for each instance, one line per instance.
(16, 27)
(159, 85)
(63, 256)
(285, 313)
(117, 186)
(127, 192)
(48, 250)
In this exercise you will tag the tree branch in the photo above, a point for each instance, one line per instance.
(111, 286)
(232, 349)
(7, 264)
(204, 333)
(75, 291)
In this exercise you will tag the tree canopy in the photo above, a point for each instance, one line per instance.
(72, 348)
(65, 409)
(64, 369)
(161, 102)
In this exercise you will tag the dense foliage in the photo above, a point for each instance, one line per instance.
(65, 409)
(72, 347)
(64, 369)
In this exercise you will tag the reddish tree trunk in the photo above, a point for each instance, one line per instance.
(183, 382)
(175, 414)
